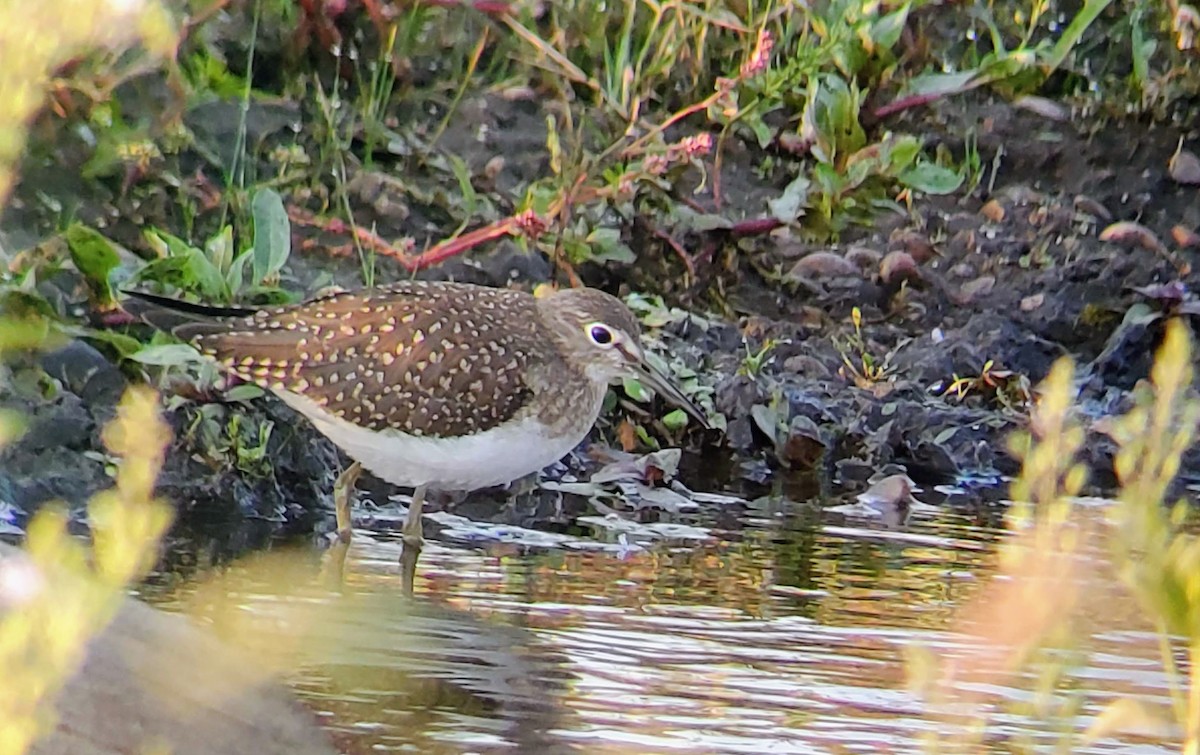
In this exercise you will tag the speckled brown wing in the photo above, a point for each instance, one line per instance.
(429, 359)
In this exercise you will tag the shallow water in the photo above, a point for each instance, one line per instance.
(785, 632)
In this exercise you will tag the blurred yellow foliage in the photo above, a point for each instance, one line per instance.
(1046, 583)
(60, 596)
(39, 37)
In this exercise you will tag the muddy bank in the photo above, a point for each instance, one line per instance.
(964, 302)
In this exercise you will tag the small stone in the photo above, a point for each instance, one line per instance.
(993, 211)
(898, 266)
(1185, 238)
(894, 490)
(981, 286)
(823, 265)
(963, 270)
(808, 366)
(1044, 107)
(1020, 194)
(794, 144)
(493, 167)
(1132, 234)
(864, 257)
(1184, 168)
(803, 448)
(1030, 303)
(918, 245)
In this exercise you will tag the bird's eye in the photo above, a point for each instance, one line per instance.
(601, 334)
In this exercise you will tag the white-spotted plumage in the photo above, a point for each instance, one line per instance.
(442, 386)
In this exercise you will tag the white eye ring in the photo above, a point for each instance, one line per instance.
(601, 335)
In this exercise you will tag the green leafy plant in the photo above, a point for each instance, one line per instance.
(860, 364)
(218, 273)
(1010, 389)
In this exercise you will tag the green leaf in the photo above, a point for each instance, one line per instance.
(96, 258)
(219, 250)
(1080, 22)
(767, 419)
(236, 277)
(124, 345)
(902, 152)
(607, 246)
(166, 244)
(831, 116)
(272, 235)
(462, 174)
(675, 420)
(192, 272)
(168, 355)
(945, 435)
(244, 392)
(553, 146)
(792, 203)
(931, 178)
(23, 333)
(1142, 47)
(12, 426)
(762, 132)
(689, 220)
(634, 390)
(1003, 67)
(645, 438)
(934, 84)
(885, 32)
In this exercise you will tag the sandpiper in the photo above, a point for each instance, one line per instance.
(429, 385)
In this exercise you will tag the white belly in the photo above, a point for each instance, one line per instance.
(470, 462)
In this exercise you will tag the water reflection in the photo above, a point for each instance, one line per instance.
(787, 635)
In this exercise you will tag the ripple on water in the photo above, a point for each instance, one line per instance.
(787, 637)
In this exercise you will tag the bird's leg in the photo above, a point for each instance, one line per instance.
(408, 569)
(414, 540)
(412, 534)
(523, 485)
(343, 489)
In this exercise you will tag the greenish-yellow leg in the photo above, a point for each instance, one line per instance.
(343, 490)
(414, 540)
(413, 533)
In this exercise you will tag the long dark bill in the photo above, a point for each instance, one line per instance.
(666, 387)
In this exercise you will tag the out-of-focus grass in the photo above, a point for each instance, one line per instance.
(38, 38)
(1031, 623)
(64, 593)
(61, 593)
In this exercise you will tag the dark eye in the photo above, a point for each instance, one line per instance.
(601, 335)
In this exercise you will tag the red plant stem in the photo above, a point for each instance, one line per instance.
(905, 103)
(412, 263)
(754, 226)
(679, 250)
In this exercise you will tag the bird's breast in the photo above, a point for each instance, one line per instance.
(467, 462)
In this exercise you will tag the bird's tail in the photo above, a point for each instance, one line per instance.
(185, 320)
